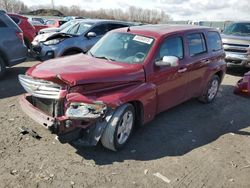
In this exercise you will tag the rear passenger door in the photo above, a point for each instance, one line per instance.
(197, 62)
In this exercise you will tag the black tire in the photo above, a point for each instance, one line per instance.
(209, 96)
(2, 68)
(110, 137)
(73, 52)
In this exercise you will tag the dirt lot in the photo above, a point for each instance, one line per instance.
(192, 145)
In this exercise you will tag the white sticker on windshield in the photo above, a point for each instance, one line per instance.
(87, 25)
(143, 39)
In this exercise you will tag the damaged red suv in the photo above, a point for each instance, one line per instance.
(128, 77)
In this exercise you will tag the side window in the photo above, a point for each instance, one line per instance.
(100, 29)
(196, 44)
(171, 47)
(15, 19)
(115, 26)
(2, 24)
(214, 41)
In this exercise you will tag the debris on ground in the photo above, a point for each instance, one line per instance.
(11, 105)
(14, 172)
(145, 171)
(164, 178)
(24, 131)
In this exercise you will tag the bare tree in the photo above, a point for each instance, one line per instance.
(13, 6)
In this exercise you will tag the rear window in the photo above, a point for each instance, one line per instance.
(15, 19)
(214, 41)
(196, 44)
(2, 24)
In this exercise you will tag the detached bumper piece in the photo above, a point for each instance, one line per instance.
(243, 86)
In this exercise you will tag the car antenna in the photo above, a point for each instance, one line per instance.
(128, 30)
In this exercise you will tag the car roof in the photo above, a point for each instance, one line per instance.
(17, 15)
(96, 21)
(159, 30)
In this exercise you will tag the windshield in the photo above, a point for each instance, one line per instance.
(67, 24)
(78, 28)
(238, 29)
(122, 47)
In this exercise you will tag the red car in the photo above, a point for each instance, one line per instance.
(38, 26)
(126, 79)
(29, 31)
(55, 23)
(243, 85)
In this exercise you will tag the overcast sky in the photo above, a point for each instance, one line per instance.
(177, 9)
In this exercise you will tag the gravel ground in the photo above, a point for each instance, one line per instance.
(191, 145)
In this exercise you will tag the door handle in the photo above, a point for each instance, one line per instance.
(205, 61)
(181, 70)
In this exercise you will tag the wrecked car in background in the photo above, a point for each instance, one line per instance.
(236, 43)
(243, 85)
(79, 38)
(127, 77)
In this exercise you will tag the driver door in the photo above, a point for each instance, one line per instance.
(171, 82)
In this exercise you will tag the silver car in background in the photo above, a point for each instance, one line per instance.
(80, 37)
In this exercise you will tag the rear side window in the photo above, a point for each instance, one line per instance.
(116, 26)
(15, 19)
(100, 29)
(171, 47)
(196, 44)
(2, 24)
(214, 41)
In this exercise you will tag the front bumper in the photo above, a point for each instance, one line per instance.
(88, 132)
(43, 52)
(237, 59)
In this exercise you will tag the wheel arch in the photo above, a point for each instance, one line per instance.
(72, 49)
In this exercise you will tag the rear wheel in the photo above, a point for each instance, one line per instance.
(119, 128)
(2, 68)
(211, 90)
(73, 52)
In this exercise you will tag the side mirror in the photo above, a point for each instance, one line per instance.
(168, 61)
(91, 34)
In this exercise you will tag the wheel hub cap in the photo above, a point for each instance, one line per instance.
(125, 127)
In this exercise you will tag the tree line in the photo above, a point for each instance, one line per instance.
(132, 13)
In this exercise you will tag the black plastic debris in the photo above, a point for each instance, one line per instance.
(25, 130)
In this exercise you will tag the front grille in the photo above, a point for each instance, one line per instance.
(51, 107)
(238, 45)
(40, 88)
(37, 49)
(236, 48)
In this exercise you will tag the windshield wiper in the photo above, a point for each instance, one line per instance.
(103, 57)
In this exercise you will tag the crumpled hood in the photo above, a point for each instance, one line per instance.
(49, 36)
(82, 69)
(237, 39)
(43, 37)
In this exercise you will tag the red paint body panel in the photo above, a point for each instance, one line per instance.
(29, 30)
(243, 86)
(155, 88)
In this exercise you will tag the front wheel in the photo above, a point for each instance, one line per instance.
(119, 128)
(2, 67)
(211, 90)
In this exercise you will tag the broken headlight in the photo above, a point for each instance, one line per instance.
(53, 42)
(86, 111)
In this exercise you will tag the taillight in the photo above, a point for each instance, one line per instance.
(20, 36)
